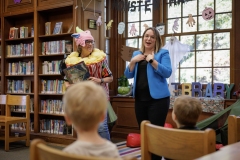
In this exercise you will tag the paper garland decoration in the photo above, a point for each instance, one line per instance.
(133, 30)
(161, 28)
(145, 26)
(109, 25)
(177, 2)
(121, 27)
(208, 13)
(190, 21)
(99, 21)
(175, 26)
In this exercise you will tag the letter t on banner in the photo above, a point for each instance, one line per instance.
(176, 88)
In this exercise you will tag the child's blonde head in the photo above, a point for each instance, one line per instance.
(85, 104)
(187, 110)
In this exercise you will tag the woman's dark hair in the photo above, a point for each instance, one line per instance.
(62, 66)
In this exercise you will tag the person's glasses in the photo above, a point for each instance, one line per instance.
(88, 42)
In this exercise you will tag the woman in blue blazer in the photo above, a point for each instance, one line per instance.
(150, 66)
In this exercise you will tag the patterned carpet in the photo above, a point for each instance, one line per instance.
(19, 151)
(127, 151)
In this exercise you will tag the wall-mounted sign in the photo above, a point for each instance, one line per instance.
(92, 24)
(126, 5)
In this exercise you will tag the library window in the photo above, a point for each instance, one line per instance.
(136, 22)
(106, 19)
(209, 39)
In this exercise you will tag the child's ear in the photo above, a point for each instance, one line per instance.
(68, 121)
(102, 117)
(174, 116)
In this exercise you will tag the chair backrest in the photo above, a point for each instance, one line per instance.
(3, 99)
(175, 143)
(18, 101)
(233, 129)
(40, 151)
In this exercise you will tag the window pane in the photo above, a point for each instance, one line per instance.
(174, 11)
(189, 40)
(204, 41)
(107, 46)
(148, 23)
(170, 26)
(221, 40)
(205, 3)
(176, 75)
(223, 6)
(188, 60)
(204, 25)
(190, 7)
(132, 43)
(187, 75)
(133, 16)
(168, 39)
(105, 14)
(204, 75)
(221, 58)
(204, 59)
(223, 21)
(187, 28)
(146, 15)
(133, 29)
(221, 75)
(140, 42)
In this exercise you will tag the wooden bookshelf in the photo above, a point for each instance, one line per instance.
(34, 14)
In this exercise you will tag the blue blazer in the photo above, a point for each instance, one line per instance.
(157, 83)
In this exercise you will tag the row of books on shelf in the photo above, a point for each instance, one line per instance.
(23, 108)
(18, 86)
(55, 127)
(22, 126)
(57, 28)
(52, 106)
(51, 67)
(21, 68)
(23, 33)
(22, 49)
(53, 86)
(57, 47)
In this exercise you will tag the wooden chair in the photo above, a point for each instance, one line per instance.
(7, 120)
(40, 151)
(175, 143)
(233, 129)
